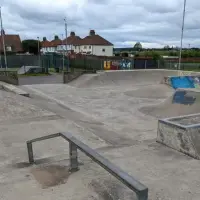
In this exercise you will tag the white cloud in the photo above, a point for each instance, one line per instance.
(154, 23)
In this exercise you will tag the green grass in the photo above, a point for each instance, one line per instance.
(38, 74)
(9, 69)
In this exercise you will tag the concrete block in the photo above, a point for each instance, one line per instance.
(181, 133)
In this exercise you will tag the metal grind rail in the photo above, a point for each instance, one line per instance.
(74, 144)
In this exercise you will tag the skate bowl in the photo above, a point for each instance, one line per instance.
(188, 79)
(181, 133)
(182, 102)
(122, 78)
(159, 91)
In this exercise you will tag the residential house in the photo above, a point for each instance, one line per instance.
(95, 45)
(45, 46)
(50, 46)
(72, 40)
(12, 43)
(92, 44)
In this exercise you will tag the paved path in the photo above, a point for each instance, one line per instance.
(107, 119)
(112, 113)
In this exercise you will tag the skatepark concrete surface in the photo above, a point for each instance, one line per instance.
(104, 114)
(122, 78)
(170, 109)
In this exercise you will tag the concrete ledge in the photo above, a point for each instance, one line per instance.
(70, 76)
(14, 89)
(181, 133)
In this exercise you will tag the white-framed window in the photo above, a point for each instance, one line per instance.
(90, 47)
(103, 50)
(85, 47)
(8, 48)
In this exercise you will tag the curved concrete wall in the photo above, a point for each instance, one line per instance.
(127, 77)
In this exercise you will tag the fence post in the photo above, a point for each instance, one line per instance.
(145, 64)
(30, 152)
(143, 195)
(73, 157)
(132, 63)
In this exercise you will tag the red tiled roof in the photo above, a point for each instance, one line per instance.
(12, 41)
(55, 43)
(95, 40)
(45, 43)
(92, 39)
(72, 40)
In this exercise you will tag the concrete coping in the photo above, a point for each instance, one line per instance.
(13, 88)
(172, 121)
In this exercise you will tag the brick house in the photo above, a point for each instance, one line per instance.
(95, 45)
(12, 43)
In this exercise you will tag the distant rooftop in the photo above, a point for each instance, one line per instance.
(91, 39)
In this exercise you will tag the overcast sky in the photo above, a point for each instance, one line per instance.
(154, 23)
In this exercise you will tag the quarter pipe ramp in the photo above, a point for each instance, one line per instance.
(182, 102)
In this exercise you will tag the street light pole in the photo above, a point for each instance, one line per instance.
(182, 30)
(63, 52)
(3, 40)
(38, 51)
(66, 44)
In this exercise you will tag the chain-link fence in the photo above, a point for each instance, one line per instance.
(185, 65)
(97, 63)
(45, 61)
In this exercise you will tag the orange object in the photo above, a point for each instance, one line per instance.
(107, 65)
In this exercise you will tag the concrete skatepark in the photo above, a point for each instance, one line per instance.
(115, 113)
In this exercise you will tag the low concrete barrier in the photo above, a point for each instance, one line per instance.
(75, 144)
(9, 77)
(181, 133)
(70, 76)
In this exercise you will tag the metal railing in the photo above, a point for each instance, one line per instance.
(74, 144)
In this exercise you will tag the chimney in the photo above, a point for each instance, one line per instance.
(72, 33)
(56, 37)
(92, 32)
(44, 39)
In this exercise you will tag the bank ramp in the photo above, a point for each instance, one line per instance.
(122, 78)
(182, 102)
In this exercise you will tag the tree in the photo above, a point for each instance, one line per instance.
(31, 46)
(156, 55)
(167, 47)
(138, 46)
